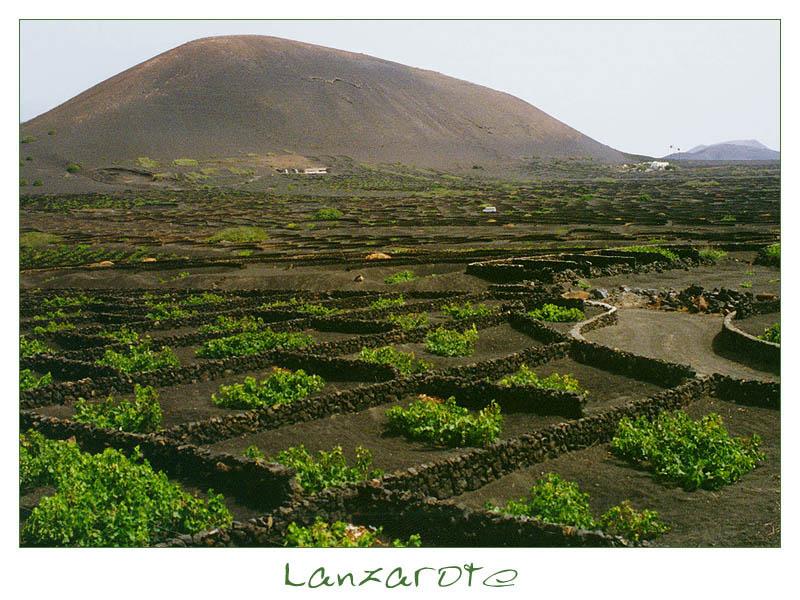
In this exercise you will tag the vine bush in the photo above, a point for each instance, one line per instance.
(139, 358)
(445, 423)
(203, 299)
(29, 381)
(107, 499)
(342, 535)
(122, 335)
(447, 342)
(53, 327)
(771, 255)
(328, 468)
(328, 214)
(385, 303)
(70, 301)
(526, 376)
(164, 311)
(225, 324)
(461, 312)
(632, 524)
(405, 362)
(772, 334)
(555, 500)
(249, 343)
(309, 308)
(140, 415)
(28, 348)
(712, 255)
(409, 321)
(693, 454)
(281, 387)
(556, 314)
(665, 252)
(400, 277)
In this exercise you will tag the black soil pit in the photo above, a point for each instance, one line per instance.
(746, 513)
(493, 342)
(190, 402)
(367, 428)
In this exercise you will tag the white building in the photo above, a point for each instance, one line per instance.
(308, 171)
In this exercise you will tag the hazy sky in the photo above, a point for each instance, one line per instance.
(637, 86)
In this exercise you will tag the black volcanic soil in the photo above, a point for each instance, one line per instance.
(606, 389)
(756, 324)
(192, 401)
(187, 355)
(729, 273)
(746, 513)
(493, 342)
(367, 429)
(432, 277)
(431, 223)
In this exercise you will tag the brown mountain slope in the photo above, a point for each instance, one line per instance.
(225, 96)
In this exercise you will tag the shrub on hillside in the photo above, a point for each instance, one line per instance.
(239, 235)
(164, 311)
(553, 500)
(770, 255)
(712, 255)
(203, 299)
(309, 308)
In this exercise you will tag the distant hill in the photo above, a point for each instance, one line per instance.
(733, 150)
(255, 95)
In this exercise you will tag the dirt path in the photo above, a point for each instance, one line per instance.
(676, 337)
